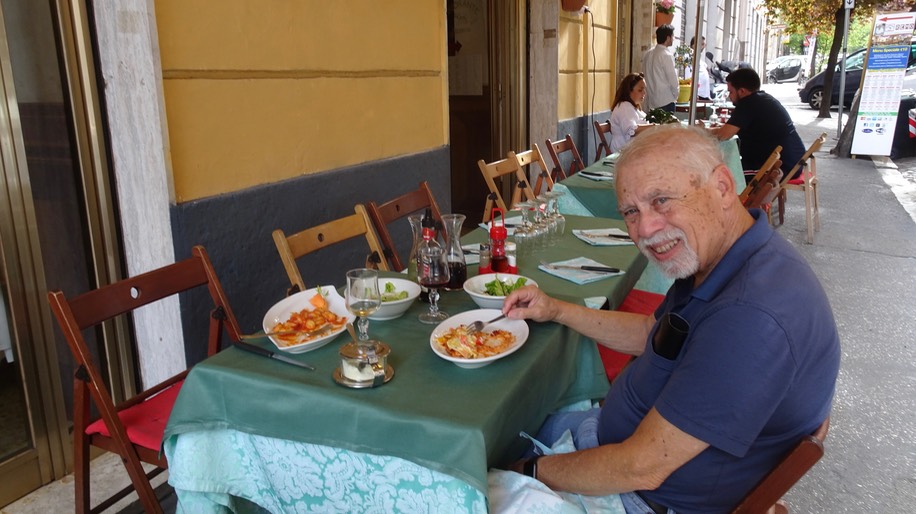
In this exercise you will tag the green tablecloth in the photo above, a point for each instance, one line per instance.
(600, 197)
(454, 420)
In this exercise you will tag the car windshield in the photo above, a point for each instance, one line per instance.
(855, 62)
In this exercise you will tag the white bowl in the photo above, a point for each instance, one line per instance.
(395, 309)
(475, 287)
(518, 327)
(282, 310)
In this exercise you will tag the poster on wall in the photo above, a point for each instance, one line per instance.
(879, 99)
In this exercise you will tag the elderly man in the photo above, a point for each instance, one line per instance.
(737, 364)
(761, 123)
(662, 86)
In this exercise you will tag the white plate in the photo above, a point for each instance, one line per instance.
(475, 287)
(281, 311)
(397, 308)
(518, 328)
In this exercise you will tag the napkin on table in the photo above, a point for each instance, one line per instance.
(511, 223)
(471, 258)
(600, 176)
(595, 236)
(579, 277)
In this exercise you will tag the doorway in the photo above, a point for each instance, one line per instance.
(487, 49)
(52, 231)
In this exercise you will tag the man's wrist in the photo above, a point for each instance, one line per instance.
(530, 467)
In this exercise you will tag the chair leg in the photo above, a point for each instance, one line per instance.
(817, 214)
(809, 215)
(81, 503)
(782, 205)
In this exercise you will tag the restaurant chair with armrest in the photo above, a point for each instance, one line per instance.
(765, 496)
(508, 167)
(558, 148)
(525, 161)
(132, 429)
(764, 185)
(604, 134)
(806, 183)
(395, 209)
(324, 235)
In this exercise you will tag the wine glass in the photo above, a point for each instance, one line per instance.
(432, 273)
(363, 298)
(555, 214)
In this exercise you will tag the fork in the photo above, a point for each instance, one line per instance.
(477, 326)
(318, 331)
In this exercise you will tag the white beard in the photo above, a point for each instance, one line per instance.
(684, 265)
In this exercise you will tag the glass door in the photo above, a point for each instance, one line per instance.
(53, 172)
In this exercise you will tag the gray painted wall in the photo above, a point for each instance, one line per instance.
(582, 130)
(236, 231)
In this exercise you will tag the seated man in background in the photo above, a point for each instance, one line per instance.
(729, 376)
(760, 122)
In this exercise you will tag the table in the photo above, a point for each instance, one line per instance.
(247, 430)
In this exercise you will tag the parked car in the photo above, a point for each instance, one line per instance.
(786, 68)
(813, 91)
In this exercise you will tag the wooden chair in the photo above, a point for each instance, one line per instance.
(604, 131)
(324, 235)
(557, 148)
(765, 496)
(759, 176)
(132, 429)
(534, 156)
(496, 170)
(395, 209)
(806, 183)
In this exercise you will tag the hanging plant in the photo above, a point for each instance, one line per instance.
(664, 6)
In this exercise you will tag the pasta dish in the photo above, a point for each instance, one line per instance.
(457, 342)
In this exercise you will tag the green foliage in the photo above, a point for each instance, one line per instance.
(659, 116)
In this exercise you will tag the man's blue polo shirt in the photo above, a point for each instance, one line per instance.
(755, 374)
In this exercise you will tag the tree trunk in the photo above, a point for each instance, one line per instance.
(829, 72)
(843, 146)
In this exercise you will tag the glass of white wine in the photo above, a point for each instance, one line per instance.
(363, 298)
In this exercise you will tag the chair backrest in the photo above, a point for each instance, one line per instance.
(324, 235)
(765, 168)
(528, 158)
(502, 168)
(792, 467)
(765, 187)
(557, 148)
(604, 133)
(807, 160)
(400, 207)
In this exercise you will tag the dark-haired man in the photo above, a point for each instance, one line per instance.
(760, 122)
(662, 86)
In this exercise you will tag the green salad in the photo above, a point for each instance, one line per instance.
(499, 288)
(391, 293)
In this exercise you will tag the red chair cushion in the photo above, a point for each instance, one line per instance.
(796, 181)
(640, 302)
(144, 422)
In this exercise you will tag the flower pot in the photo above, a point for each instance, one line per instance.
(663, 18)
(683, 94)
(572, 5)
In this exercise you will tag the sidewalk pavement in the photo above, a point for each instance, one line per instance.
(865, 257)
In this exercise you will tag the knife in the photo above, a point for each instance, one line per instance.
(613, 236)
(602, 269)
(251, 348)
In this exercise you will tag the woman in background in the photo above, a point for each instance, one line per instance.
(627, 118)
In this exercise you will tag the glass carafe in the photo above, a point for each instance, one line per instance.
(457, 265)
(415, 226)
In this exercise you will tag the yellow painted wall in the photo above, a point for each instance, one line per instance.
(258, 91)
(587, 49)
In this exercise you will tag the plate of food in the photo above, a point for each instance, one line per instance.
(489, 290)
(451, 341)
(307, 320)
(398, 294)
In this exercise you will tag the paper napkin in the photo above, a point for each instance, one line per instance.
(575, 276)
(600, 237)
(472, 255)
(600, 176)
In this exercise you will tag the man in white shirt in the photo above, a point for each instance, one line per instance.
(661, 77)
(703, 89)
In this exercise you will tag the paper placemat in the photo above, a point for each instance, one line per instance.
(471, 253)
(511, 223)
(579, 277)
(597, 175)
(603, 236)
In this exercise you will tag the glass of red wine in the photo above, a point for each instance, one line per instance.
(432, 273)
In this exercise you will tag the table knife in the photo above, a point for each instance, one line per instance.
(613, 236)
(602, 269)
(272, 354)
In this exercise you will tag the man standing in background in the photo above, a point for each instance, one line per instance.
(661, 78)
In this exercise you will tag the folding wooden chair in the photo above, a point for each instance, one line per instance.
(758, 177)
(807, 183)
(534, 156)
(395, 209)
(132, 429)
(557, 148)
(324, 235)
(765, 496)
(604, 131)
(496, 170)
